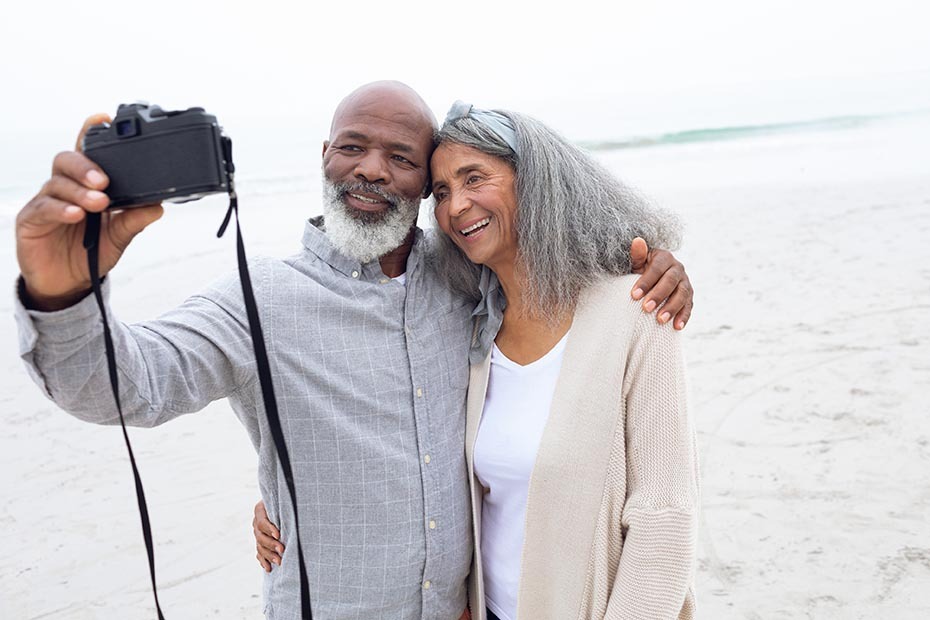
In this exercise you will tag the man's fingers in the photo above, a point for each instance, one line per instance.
(45, 213)
(639, 253)
(676, 301)
(79, 168)
(264, 563)
(662, 290)
(684, 315)
(659, 263)
(66, 189)
(127, 224)
(94, 119)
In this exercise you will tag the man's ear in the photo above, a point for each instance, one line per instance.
(325, 146)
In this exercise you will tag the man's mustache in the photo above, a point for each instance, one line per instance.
(362, 187)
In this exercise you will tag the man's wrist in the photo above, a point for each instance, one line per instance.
(45, 303)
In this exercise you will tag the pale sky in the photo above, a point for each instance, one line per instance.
(578, 65)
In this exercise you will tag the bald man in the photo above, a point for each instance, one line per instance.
(368, 347)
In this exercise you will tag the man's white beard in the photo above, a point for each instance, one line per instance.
(364, 235)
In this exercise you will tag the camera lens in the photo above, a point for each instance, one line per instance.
(126, 128)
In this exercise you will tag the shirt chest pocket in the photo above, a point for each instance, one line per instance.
(454, 337)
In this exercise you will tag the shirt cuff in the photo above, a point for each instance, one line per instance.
(58, 326)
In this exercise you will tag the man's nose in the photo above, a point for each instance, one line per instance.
(373, 168)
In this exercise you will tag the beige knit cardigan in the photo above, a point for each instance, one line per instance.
(611, 513)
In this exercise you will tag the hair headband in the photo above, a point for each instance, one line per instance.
(495, 121)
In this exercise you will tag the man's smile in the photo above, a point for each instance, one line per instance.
(365, 201)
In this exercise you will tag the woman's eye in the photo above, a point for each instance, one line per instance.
(440, 196)
(472, 179)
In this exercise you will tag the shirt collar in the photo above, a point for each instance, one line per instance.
(317, 242)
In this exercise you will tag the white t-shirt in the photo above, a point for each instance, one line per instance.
(515, 413)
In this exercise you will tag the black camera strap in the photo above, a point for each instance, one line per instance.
(271, 405)
(91, 243)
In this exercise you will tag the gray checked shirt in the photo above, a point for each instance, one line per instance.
(370, 378)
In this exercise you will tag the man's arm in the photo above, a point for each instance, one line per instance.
(195, 354)
(663, 279)
(177, 364)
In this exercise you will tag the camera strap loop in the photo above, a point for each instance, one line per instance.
(92, 245)
(271, 405)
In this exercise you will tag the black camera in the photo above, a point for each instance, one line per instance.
(153, 155)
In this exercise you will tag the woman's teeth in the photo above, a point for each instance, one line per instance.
(475, 226)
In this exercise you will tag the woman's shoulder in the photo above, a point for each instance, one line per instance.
(609, 302)
(611, 295)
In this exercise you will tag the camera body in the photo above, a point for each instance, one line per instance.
(152, 155)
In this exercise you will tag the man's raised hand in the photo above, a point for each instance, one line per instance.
(50, 230)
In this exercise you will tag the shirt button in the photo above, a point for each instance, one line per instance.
(426, 584)
(419, 393)
(432, 525)
(385, 280)
(354, 274)
(426, 459)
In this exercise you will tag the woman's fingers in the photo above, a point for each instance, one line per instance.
(261, 522)
(268, 548)
(267, 537)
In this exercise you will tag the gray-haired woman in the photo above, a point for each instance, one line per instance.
(584, 485)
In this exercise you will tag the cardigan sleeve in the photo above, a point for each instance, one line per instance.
(656, 571)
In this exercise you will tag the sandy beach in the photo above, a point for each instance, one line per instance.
(809, 359)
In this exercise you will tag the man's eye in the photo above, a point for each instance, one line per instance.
(349, 147)
(403, 160)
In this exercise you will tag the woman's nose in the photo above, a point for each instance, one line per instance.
(458, 204)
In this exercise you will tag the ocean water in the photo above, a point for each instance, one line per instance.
(279, 164)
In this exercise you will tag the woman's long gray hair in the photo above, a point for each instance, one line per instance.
(574, 221)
